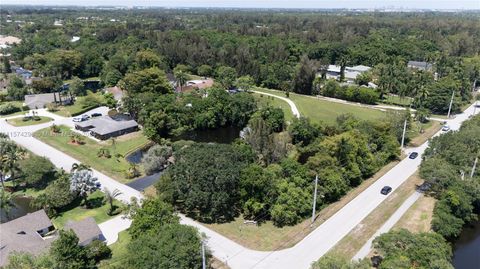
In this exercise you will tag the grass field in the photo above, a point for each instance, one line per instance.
(264, 100)
(30, 121)
(268, 237)
(87, 153)
(325, 111)
(418, 217)
(76, 212)
(119, 250)
(429, 129)
(358, 236)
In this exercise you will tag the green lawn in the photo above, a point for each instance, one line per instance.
(87, 153)
(23, 121)
(324, 111)
(119, 251)
(264, 100)
(76, 212)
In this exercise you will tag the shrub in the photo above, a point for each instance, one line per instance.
(104, 153)
(98, 250)
(8, 108)
(156, 159)
(25, 108)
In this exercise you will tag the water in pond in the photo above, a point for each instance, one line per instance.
(224, 135)
(466, 253)
(21, 208)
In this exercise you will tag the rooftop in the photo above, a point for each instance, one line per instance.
(105, 124)
(85, 229)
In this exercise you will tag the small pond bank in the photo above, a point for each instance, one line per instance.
(466, 249)
(21, 208)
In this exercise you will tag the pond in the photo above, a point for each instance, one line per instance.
(21, 208)
(224, 135)
(466, 252)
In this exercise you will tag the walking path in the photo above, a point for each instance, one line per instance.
(292, 105)
(365, 250)
(310, 249)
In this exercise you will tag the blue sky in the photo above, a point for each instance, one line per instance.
(419, 4)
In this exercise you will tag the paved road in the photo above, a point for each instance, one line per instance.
(292, 105)
(310, 249)
(363, 252)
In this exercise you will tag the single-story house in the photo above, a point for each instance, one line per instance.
(424, 66)
(24, 73)
(34, 101)
(351, 72)
(7, 41)
(34, 233)
(87, 230)
(105, 127)
(26, 234)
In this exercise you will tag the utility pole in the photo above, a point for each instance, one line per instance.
(204, 263)
(474, 167)
(403, 134)
(450, 106)
(314, 199)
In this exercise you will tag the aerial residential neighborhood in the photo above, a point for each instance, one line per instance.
(239, 134)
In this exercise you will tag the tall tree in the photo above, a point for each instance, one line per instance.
(304, 76)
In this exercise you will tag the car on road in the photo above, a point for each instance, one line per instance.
(98, 185)
(446, 128)
(81, 118)
(386, 190)
(413, 155)
(93, 115)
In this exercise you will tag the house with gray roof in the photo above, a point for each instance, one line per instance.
(350, 73)
(105, 127)
(36, 101)
(424, 66)
(87, 230)
(30, 233)
(34, 233)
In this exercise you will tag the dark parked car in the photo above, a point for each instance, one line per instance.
(413, 155)
(386, 190)
(96, 115)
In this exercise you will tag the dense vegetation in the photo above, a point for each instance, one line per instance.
(282, 51)
(268, 174)
(448, 169)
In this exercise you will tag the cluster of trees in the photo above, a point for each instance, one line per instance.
(159, 240)
(65, 252)
(163, 114)
(352, 93)
(448, 167)
(282, 51)
(268, 174)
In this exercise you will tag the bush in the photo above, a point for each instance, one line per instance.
(8, 108)
(156, 159)
(98, 251)
(25, 108)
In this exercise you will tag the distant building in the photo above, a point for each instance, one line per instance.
(35, 101)
(351, 72)
(116, 92)
(105, 127)
(7, 41)
(34, 233)
(24, 73)
(424, 66)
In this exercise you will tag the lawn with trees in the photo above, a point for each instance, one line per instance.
(107, 157)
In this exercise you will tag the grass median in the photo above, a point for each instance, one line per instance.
(115, 166)
(26, 121)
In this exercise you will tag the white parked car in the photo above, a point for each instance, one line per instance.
(81, 118)
(446, 128)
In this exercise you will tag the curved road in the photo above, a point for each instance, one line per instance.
(310, 249)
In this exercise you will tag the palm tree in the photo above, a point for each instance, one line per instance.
(181, 78)
(110, 198)
(83, 183)
(6, 203)
(423, 94)
(80, 166)
(10, 154)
